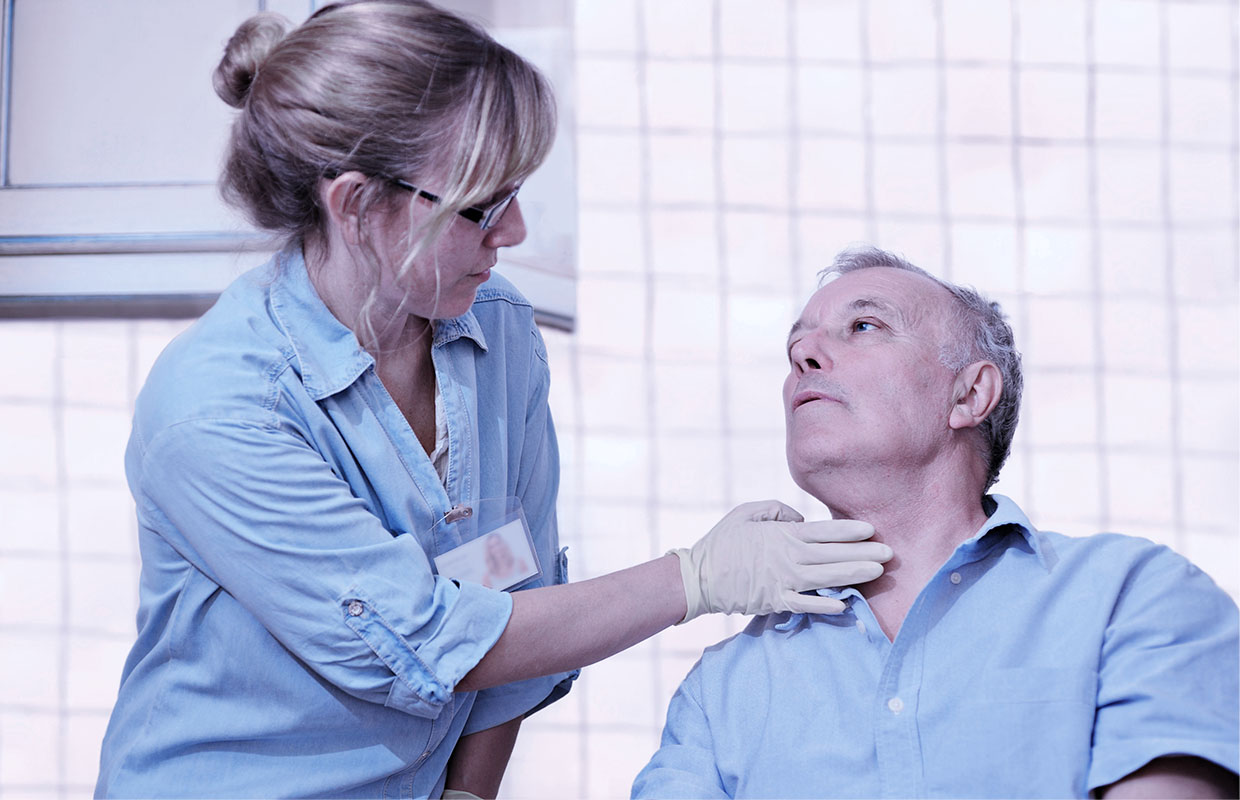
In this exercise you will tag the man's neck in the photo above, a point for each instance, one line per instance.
(923, 517)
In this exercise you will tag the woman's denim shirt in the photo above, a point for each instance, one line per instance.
(293, 637)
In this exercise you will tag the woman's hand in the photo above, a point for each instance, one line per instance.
(761, 555)
(755, 561)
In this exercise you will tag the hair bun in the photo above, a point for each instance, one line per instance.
(245, 52)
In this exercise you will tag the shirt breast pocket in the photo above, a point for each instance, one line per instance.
(1039, 685)
(1027, 723)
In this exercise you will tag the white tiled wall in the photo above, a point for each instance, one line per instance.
(1077, 159)
(68, 548)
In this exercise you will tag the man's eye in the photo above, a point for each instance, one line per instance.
(862, 325)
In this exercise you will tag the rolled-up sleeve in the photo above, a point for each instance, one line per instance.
(684, 765)
(263, 515)
(1168, 677)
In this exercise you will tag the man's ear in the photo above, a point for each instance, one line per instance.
(975, 394)
(342, 198)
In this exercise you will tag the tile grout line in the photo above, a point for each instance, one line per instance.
(62, 535)
(794, 159)
(649, 371)
(1022, 302)
(1234, 144)
(1072, 68)
(721, 253)
(1168, 231)
(867, 119)
(1095, 268)
(945, 211)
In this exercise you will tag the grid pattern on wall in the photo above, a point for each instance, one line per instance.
(1077, 159)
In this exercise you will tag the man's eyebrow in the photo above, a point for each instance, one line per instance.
(880, 305)
(860, 304)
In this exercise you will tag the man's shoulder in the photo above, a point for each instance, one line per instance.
(1127, 548)
(1117, 576)
(1114, 552)
(767, 634)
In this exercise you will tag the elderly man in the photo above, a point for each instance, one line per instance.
(991, 658)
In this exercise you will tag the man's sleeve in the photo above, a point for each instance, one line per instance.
(684, 764)
(1169, 672)
(537, 485)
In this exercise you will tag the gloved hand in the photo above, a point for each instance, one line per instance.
(761, 555)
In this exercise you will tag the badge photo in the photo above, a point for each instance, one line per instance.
(491, 545)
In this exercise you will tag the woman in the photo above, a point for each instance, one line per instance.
(304, 456)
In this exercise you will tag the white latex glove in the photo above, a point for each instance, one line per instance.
(761, 555)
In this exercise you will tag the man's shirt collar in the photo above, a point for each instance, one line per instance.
(1005, 517)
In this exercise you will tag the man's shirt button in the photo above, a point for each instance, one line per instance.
(955, 577)
(356, 608)
(896, 705)
(861, 626)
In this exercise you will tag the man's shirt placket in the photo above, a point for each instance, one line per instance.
(897, 745)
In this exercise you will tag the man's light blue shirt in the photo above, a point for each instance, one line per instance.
(293, 637)
(1031, 665)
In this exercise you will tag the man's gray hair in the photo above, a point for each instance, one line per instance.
(986, 336)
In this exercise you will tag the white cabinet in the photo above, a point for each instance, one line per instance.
(111, 138)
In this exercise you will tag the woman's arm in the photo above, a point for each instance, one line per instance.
(555, 629)
(560, 628)
(757, 560)
(479, 759)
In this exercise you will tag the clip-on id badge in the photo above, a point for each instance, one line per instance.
(490, 544)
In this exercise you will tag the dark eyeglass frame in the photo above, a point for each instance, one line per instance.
(484, 218)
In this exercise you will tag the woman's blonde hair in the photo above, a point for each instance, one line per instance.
(389, 88)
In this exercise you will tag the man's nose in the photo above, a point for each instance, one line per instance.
(809, 354)
(510, 230)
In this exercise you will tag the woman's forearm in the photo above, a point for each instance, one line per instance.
(560, 628)
(479, 759)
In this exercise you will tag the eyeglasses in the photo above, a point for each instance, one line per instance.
(486, 218)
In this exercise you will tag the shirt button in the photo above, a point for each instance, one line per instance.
(896, 705)
(955, 577)
(356, 608)
(861, 626)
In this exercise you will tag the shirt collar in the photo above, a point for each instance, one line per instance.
(466, 325)
(1005, 517)
(328, 353)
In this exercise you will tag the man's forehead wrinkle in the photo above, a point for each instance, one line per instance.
(865, 303)
(882, 305)
(907, 305)
(914, 296)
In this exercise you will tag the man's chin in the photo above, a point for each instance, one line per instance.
(817, 472)
(807, 475)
